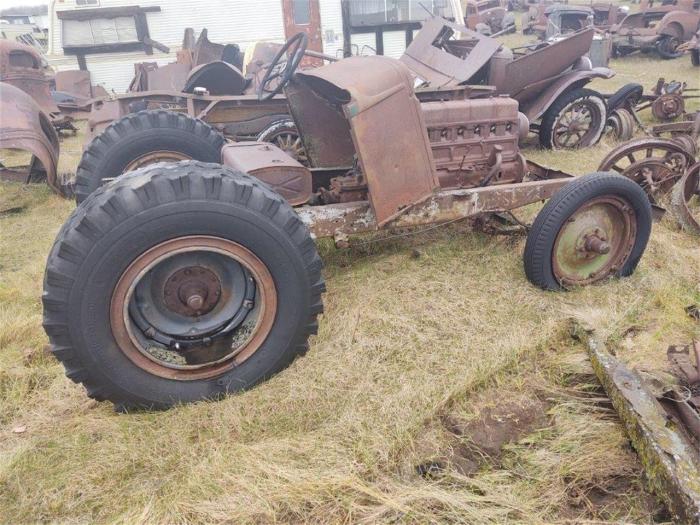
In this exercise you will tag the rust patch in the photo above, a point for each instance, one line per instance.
(26, 127)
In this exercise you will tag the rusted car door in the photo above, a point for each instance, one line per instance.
(304, 16)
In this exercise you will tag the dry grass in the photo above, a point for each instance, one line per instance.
(334, 438)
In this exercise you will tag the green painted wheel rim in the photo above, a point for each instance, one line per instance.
(595, 241)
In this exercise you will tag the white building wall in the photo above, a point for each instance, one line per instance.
(239, 22)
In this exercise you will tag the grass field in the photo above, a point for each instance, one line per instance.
(433, 350)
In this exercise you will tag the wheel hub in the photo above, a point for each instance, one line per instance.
(596, 244)
(192, 291)
(193, 307)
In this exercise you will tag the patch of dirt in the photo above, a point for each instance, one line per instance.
(470, 441)
(496, 426)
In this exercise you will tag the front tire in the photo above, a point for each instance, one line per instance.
(141, 139)
(178, 283)
(575, 120)
(667, 47)
(594, 228)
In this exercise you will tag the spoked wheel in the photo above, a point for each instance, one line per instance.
(685, 198)
(575, 120)
(595, 228)
(655, 164)
(180, 282)
(285, 135)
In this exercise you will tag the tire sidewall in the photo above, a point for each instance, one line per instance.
(101, 269)
(553, 222)
(140, 143)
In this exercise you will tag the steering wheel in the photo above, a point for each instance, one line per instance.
(284, 70)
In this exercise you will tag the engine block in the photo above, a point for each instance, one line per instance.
(468, 136)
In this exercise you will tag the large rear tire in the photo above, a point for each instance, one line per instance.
(180, 282)
(141, 139)
(594, 228)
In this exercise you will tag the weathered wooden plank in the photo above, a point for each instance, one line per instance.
(671, 463)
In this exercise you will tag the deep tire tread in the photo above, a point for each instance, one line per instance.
(137, 191)
(108, 143)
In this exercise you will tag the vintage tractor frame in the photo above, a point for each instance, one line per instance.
(187, 280)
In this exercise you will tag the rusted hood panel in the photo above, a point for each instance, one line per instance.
(26, 127)
(428, 58)
(387, 127)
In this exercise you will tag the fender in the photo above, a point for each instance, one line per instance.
(536, 107)
(675, 20)
(27, 127)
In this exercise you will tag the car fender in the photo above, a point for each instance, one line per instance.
(537, 106)
(678, 23)
(25, 126)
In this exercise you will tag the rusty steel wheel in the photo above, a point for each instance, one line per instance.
(594, 242)
(685, 193)
(595, 228)
(655, 164)
(668, 106)
(178, 283)
(575, 120)
(193, 307)
(153, 158)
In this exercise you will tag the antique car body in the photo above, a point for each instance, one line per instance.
(241, 117)
(607, 14)
(23, 67)
(535, 79)
(663, 26)
(26, 126)
(219, 286)
(491, 13)
(445, 54)
(557, 19)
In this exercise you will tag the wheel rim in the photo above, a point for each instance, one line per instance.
(655, 166)
(292, 145)
(595, 242)
(576, 125)
(193, 307)
(154, 157)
